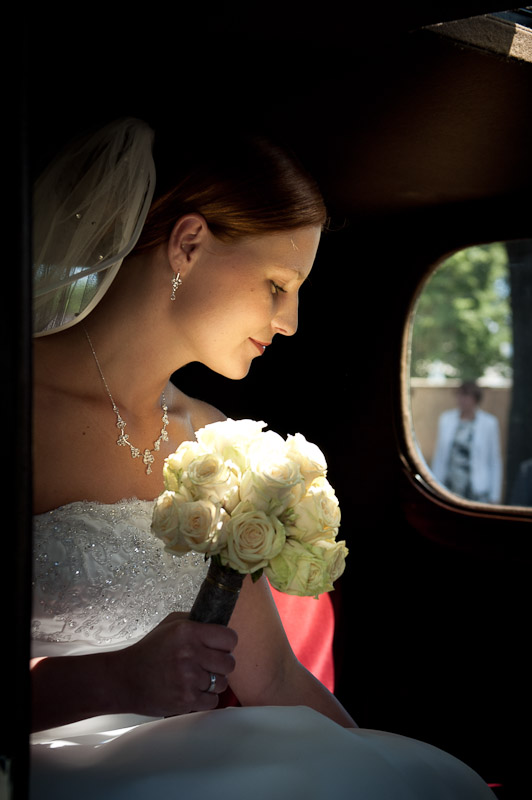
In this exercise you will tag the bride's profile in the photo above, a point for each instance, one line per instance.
(148, 256)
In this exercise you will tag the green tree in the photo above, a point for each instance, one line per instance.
(463, 316)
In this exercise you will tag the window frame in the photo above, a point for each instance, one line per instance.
(422, 495)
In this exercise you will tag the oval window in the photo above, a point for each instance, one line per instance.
(470, 374)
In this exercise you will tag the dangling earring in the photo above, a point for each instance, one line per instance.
(176, 283)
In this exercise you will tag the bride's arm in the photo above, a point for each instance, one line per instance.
(164, 674)
(267, 671)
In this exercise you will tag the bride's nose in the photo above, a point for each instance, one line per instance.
(285, 320)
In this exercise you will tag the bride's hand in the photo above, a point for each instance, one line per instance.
(168, 672)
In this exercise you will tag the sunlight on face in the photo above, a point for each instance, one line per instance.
(240, 295)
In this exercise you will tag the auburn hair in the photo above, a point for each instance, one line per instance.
(241, 185)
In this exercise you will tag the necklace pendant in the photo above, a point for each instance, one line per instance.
(123, 438)
(148, 459)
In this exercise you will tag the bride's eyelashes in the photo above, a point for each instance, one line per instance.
(275, 288)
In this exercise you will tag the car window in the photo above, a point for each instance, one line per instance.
(470, 381)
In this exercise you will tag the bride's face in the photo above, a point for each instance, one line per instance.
(237, 297)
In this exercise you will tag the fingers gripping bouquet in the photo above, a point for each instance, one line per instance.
(253, 503)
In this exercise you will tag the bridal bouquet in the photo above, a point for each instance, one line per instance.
(253, 503)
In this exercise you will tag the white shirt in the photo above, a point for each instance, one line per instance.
(485, 455)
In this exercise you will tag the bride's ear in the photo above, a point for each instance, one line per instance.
(186, 239)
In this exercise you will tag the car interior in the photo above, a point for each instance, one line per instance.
(416, 123)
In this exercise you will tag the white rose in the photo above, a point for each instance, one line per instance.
(273, 482)
(297, 570)
(165, 517)
(210, 477)
(198, 526)
(253, 538)
(231, 438)
(184, 526)
(176, 464)
(317, 515)
(309, 457)
(333, 554)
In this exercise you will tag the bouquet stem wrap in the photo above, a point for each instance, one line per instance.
(218, 594)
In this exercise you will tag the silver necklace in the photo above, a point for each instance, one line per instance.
(123, 439)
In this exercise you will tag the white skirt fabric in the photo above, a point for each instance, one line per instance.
(237, 753)
(102, 581)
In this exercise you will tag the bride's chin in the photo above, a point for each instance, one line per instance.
(235, 375)
(234, 372)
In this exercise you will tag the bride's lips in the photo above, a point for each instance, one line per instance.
(261, 346)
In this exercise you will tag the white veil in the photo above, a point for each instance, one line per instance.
(89, 207)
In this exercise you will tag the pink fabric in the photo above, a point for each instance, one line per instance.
(309, 625)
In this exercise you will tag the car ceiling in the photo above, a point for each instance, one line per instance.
(388, 115)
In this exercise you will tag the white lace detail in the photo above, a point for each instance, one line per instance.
(101, 576)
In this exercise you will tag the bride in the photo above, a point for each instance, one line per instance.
(131, 282)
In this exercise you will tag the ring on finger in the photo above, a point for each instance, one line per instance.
(212, 684)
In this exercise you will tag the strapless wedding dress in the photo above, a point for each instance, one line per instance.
(102, 580)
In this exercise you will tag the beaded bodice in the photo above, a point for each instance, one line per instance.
(102, 578)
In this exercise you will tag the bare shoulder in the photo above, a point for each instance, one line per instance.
(198, 412)
(203, 414)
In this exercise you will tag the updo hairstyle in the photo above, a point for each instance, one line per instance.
(241, 185)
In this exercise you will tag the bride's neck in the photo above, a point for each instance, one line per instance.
(70, 362)
(128, 336)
